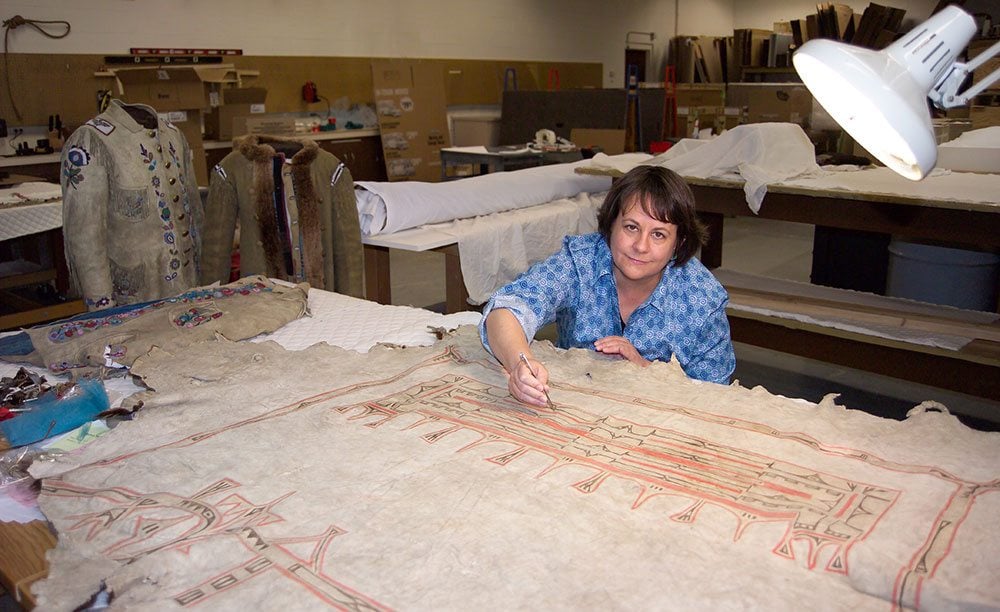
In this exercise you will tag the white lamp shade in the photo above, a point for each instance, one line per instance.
(880, 97)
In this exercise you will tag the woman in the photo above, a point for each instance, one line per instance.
(632, 289)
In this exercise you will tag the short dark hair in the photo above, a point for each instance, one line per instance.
(664, 196)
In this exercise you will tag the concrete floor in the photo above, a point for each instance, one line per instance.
(769, 248)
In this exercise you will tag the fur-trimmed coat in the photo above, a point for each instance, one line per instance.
(302, 226)
(131, 210)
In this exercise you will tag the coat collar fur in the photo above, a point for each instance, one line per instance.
(261, 151)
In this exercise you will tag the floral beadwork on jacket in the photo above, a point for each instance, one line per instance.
(169, 238)
(76, 158)
(101, 302)
(173, 155)
(131, 198)
(195, 316)
(74, 329)
(147, 157)
(63, 366)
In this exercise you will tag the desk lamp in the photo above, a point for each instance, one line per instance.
(879, 97)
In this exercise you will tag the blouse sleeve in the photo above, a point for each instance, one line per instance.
(715, 360)
(536, 296)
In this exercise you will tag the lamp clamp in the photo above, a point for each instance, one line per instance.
(945, 92)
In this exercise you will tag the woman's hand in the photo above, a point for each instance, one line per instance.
(617, 345)
(529, 384)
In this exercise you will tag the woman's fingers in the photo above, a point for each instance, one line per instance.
(612, 344)
(526, 393)
(617, 345)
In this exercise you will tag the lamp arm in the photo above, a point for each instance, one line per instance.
(945, 93)
(963, 98)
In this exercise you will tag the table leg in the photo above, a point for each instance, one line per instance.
(57, 246)
(456, 296)
(711, 253)
(23, 561)
(377, 286)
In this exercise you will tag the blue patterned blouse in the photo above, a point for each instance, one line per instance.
(684, 316)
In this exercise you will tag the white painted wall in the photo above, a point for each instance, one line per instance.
(553, 30)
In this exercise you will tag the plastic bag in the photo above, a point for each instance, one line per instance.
(63, 407)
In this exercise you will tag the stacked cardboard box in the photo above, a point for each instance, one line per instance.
(276, 124)
(878, 26)
(229, 118)
(700, 59)
(875, 29)
(412, 112)
(177, 94)
(772, 102)
(702, 106)
(701, 94)
(749, 50)
(183, 93)
(984, 116)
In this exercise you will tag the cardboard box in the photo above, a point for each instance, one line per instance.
(701, 118)
(611, 142)
(217, 79)
(772, 102)
(165, 89)
(179, 93)
(275, 125)
(748, 51)
(410, 99)
(229, 120)
(701, 94)
(985, 160)
(699, 59)
(738, 94)
(474, 127)
(946, 130)
(734, 117)
(984, 116)
(168, 88)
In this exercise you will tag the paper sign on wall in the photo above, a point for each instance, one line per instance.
(411, 106)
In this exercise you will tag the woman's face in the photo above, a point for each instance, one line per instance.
(641, 246)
